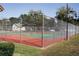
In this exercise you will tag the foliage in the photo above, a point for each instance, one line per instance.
(33, 18)
(66, 48)
(13, 20)
(67, 14)
(25, 50)
(6, 49)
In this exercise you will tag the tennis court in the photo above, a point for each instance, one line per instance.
(37, 37)
(33, 38)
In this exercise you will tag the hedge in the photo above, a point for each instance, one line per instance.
(6, 49)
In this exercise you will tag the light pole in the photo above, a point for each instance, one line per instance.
(77, 17)
(67, 22)
(75, 23)
(43, 31)
(20, 27)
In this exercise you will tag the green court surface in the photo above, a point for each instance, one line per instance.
(35, 34)
(48, 35)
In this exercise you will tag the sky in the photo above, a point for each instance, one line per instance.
(16, 9)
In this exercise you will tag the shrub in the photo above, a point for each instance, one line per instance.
(6, 49)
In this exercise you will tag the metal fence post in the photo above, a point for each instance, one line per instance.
(67, 23)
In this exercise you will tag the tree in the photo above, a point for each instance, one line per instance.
(36, 17)
(65, 14)
(24, 19)
(49, 22)
(13, 20)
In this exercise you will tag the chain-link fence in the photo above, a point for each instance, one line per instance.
(37, 29)
(37, 36)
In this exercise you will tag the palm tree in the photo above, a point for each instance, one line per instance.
(65, 14)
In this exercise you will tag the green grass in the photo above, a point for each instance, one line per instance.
(25, 50)
(66, 48)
